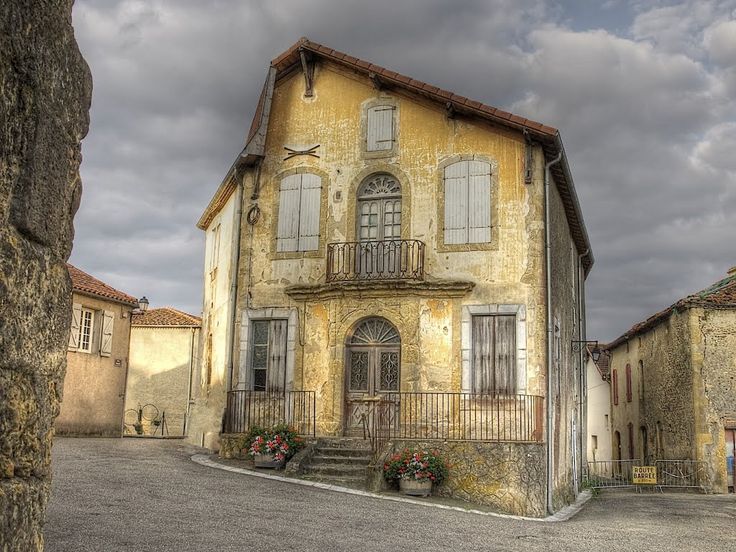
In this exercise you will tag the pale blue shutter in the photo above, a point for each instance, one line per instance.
(380, 131)
(309, 212)
(287, 235)
(456, 203)
(479, 202)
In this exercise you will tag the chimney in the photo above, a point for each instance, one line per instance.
(731, 271)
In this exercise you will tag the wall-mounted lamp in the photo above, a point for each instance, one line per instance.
(143, 304)
(595, 352)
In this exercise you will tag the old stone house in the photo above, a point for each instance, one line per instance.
(389, 259)
(97, 358)
(673, 384)
(164, 346)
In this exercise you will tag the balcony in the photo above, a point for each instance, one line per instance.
(375, 260)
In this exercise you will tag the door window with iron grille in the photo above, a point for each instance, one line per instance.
(268, 355)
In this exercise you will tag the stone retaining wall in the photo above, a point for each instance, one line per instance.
(506, 476)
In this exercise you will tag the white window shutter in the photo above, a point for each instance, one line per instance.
(287, 237)
(479, 202)
(309, 212)
(380, 128)
(108, 318)
(76, 323)
(456, 203)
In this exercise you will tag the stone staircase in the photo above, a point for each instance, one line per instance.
(340, 461)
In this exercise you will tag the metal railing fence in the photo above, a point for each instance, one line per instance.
(247, 409)
(466, 417)
(670, 473)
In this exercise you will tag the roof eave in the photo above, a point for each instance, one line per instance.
(104, 297)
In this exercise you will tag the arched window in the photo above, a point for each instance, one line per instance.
(379, 208)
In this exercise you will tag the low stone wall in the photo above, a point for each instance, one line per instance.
(231, 446)
(506, 476)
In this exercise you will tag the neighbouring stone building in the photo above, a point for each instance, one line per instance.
(97, 358)
(44, 105)
(388, 258)
(673, 384)
(598, 421)
(163, 351)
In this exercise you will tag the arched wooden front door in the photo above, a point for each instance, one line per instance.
(372, 369)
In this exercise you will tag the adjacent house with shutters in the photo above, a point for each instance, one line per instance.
(673, 386)
(392, 261)
(97, 358)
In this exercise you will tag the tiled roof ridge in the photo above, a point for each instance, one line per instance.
(715, 288)
(707, 297)
(83, 282)
(166, 316)
(409, 82)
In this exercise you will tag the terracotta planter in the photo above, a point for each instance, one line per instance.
(268, 461)
(414, 487)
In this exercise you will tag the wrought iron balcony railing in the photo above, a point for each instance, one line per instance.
(375, 260)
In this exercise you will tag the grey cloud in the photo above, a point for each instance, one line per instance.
(646, 116)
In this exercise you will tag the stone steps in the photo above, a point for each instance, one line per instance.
(341, 462)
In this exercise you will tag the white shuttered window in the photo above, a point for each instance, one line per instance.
(299, 212)
(380, 128)
(468, 202)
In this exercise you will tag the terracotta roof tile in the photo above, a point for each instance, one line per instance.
(89, 285)
(165, 316)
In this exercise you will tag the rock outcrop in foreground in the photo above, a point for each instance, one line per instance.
(45, 90)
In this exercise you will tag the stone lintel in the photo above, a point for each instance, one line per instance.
(380, 288)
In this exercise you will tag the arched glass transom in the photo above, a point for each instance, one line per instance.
(379, 185)
(375, 331)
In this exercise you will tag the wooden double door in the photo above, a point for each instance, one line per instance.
(372, 373)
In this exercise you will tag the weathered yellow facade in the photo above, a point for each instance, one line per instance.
(432, 314)
(683, 393)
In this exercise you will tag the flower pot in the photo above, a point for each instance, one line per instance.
(416, 487)
(268, 461)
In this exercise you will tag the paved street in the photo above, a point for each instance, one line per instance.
(141, 495)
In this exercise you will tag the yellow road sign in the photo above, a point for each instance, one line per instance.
(644, 475)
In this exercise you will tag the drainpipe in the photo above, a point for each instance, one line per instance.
(550, 333)
(582, 376)
(235, 260)
(191, 378)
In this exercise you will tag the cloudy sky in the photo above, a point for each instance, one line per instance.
(642, 91)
